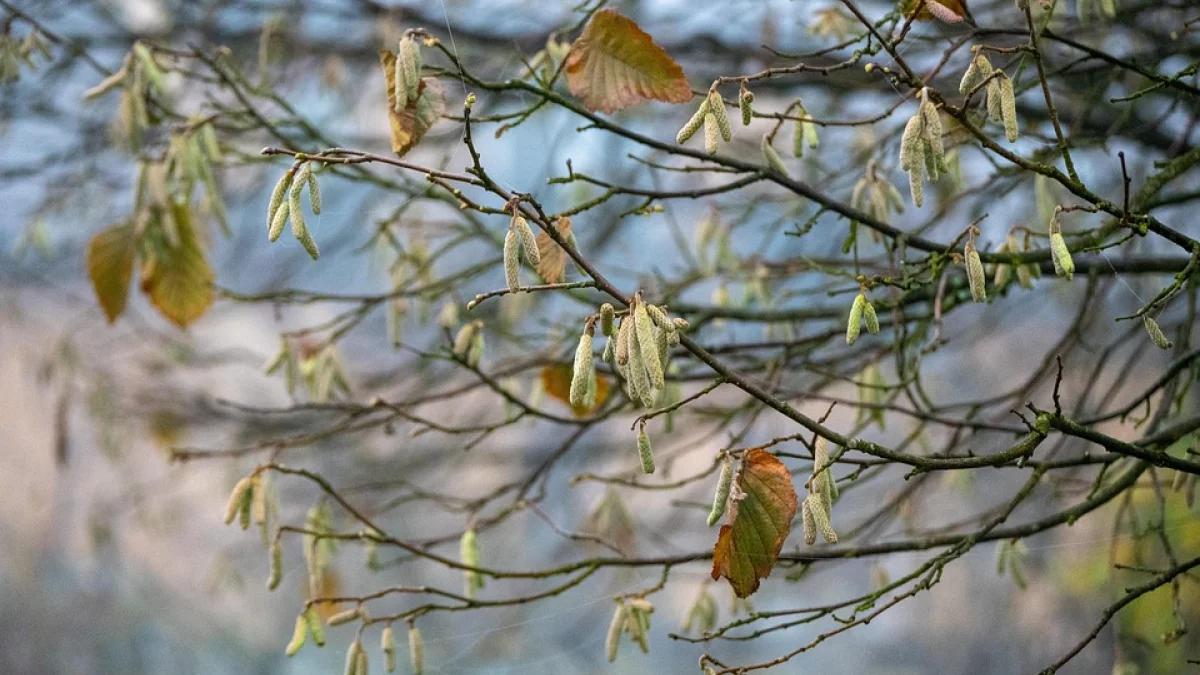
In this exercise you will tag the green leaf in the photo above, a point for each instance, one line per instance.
(177, 279)
(761, 509)
(408, 126)
(110, 266)
(614, 64)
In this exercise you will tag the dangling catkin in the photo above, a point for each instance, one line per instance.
(712, 134)
(528, 242)
(612, 639)
(468, 550)
(1064, 266)
(410, 60)
(512, 263)
(1156, 333)
(975, 276)
(622, 348)
(315, 629)
(416, 649)
(772, 157)
(276, 574)
(583, 367)
(314, 193)
(724, 484)
(643, 327)
(239, 498)
(352, 658)
(644, 451)
(854, 324)
(716, 106)
(745, 99)
(1008, 109)
(810, 523)
(871, 318)
(607, 316)
(299, 635)
(693, 125)
(274, 221)
(387, 644)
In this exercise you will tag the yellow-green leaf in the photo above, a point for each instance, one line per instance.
(408, 126)
(177, 279)
(761, 508)
(614, 64)
(110, 267)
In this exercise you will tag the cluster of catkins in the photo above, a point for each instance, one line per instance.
(817, 508)
(408, 72)
(638, 348)
(285, 205)
(1001, 98)
(922, 153)
(631, 617)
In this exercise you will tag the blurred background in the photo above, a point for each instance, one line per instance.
(114, 559)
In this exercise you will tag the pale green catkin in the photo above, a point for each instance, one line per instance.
(512, 262)
(401, 80)
(239, 497)
(352, 658)
(314, 193)
(693, 124)
(975, 276)
(387, 644)
(528, 241)
(1156, 333)
(361, 667)
(299, 229)
(716, 106)
(810, 523)
(274, 221)
(276, 574)
(612, 639)
(745, 101)
(660, 318)
(609, 355)
(468, 551)
(854, 324)
(643, 327)
(638, 378)
(315, 629)
(979, 69)
(1008, 109)
(711, 134)
(299, 635)
(622, 348)
(1064, 266)
(772, 157)
(871, 318)
(607, 316)
(345, 616)
(584, 368)
(724, 485)
(410, 59)
(416, 649)
(821, 519)
(644, 451)
(258, 500)
(994, 111)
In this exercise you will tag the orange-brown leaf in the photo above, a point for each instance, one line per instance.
(614, 64)
(553, 258)
(409, 125)
(110, 267)
(556, 381)
(761, 508)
